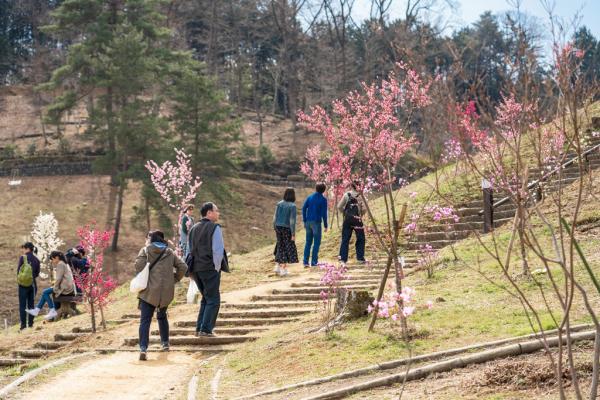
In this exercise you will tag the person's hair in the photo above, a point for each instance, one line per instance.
(157, 236)
(354, 185)
(289, 195)
(30, 246)
(58, 254)
(320, 187)
(206, 207)
(80, 249)
(187, 208)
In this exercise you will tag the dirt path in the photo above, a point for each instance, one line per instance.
(121, 376)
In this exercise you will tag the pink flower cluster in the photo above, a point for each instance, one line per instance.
(366, 136)
(453, 151)
(332, 276)
(94, 241)
(175, 183)
(427, 255)
(439, 213)
(552, 146)
(95, 285)
(395, 305)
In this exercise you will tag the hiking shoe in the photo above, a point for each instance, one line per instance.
(33, 311)
(51, 314)
(284, 272)
(143, 356)
(306, 265)
(165, 347)
(205, 334)
(277, 269)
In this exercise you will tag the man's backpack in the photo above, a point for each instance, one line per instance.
(25, 274)
(352, 215)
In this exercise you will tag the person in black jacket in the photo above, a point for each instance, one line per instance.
(27, 293)
(209, 259)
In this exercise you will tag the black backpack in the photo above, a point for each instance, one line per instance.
(352, 215)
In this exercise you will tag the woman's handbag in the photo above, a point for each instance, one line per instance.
(140, 282)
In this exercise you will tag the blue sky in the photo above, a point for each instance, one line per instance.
(469, 11)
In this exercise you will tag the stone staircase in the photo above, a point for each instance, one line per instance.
(44, 349)
(445, 233)
(242, 322)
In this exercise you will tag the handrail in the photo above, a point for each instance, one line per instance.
(546, 176)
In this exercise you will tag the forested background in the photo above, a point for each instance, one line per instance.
(157, 74)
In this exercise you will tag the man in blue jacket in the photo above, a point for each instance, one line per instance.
(314, 210)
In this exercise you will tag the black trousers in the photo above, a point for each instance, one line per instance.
(26, 301)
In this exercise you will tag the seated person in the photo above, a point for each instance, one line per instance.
(63, 286)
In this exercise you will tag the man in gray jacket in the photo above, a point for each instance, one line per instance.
(209, 259)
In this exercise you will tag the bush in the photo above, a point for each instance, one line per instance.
(247, 152)
(9, 151)
(31, 149)
(63, 145)
(265, 156)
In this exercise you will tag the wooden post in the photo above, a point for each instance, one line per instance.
(488, 206)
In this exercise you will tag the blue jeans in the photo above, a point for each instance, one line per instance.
(26, 298)
(313, 233)
(46, 298)
(360, 242)
(146, 311)
(209, 283)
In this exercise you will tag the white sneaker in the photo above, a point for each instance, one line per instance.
(277, 269)
(51, 314)
(284, 272)
(33, 311)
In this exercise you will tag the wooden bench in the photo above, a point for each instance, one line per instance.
(67, 306)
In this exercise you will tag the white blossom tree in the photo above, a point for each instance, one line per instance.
(44, 236)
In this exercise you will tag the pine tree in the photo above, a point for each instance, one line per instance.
(119, 59)
(202, 119)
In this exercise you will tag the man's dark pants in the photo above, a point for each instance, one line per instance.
(360, 242)
(147, 310)
(208, 284)
(26, 299)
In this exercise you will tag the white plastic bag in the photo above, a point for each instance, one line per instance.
(192, 292)
(140, 282)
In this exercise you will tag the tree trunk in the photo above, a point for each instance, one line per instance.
(117, 227)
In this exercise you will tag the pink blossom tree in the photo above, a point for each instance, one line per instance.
(96, 286)
(500, 151)
(366, 134)
(176, 184)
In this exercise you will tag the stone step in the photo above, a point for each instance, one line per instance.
(51, 345)
(240, 322)
(435, 244)
(31, 353)
(218, 331)
(351, 277)
(68, 336)
(130, 316)
(11, 362)
(263, 313)
(450, 235)
(317, 290)
(194, 340)
(285, 304)
(287, 297)
(364, 282)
